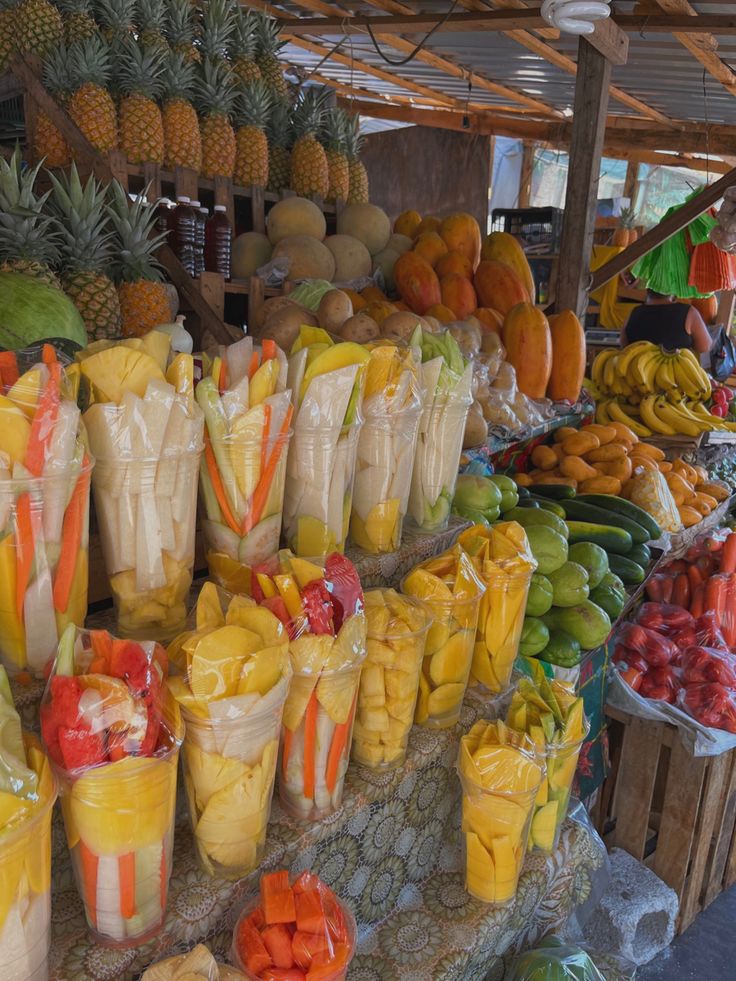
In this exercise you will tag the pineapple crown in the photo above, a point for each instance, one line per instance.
(178, 78)
(68, 7)
(139, 70)
(116, 17)
(151, 15)
(279, 127)
(134, 247)
(353, 139)
(56, 71)
(179, 22)
(627, 217)
(85, 235)
(333, 134)
(267, 34)
(89, 61)
(309, 111)
(217, 28)
(244, 41)
(253, 104)
(25, 232)
(215, 92)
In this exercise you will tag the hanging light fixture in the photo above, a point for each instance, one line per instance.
(575, 16)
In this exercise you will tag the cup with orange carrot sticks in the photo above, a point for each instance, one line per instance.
(44, 512)
(247, 412)
(321, 605)
(113, 734)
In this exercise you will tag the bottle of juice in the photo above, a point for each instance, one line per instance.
(164, 211)
(200, 215)
(218, 242)
(184, 230)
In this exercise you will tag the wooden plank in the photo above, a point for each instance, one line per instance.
(152, 180)
(256, 297)
(664, 230)
(679, 813)
(525, 178)
(702, 45)
(638, 768)
(610, 41)
(586, 150)
(631, 181)
(224, 195)
(724, 835)
(212, 288)
(257, 209)
(118, 164)
(186, 183)
(725, 311)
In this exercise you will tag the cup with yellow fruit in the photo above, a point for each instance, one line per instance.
(397, 632)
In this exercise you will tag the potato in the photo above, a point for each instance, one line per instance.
(467, 337)
(476, 428)
(283, 325)
(360, 328)
(334, 309)
(402, 325)
(269, 307)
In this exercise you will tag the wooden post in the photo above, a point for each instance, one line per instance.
(586, 148)
(726, 303)
(631, 182)
(212, 288)
(525, 178)
(224, 195)
(152, 180)
(186, 183)
(257, 209)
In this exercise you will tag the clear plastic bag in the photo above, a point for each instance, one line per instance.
(652, 646)
(650, 491)
(492, 352)
(664, 618)
(553, 959)
(710, 704)
(699, 665)
(468, 337)
(198, 963)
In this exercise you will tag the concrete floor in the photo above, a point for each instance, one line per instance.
(705, 952)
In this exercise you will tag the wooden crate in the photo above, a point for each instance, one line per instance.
(671, 810)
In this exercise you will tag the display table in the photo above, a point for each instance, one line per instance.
(391, 852)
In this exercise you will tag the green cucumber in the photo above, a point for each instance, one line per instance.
(523, 492)
(589, 512)
(526, 502)
(631, 572)
(555, 492)
(641, 555)
(625, 508)
(552, 506)
(610, 537)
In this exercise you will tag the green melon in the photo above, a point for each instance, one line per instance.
(31, 311)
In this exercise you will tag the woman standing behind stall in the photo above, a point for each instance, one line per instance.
(668, 322)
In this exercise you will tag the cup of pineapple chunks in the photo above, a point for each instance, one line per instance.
(500, 772)
(397, 633)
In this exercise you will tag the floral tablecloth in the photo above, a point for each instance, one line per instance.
(391, 852)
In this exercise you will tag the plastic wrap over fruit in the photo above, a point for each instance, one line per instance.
(649, 490)
(575, 16)
(197, 963)
(553, 959)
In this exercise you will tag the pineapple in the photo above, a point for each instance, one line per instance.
(86, 252)
(251, 157)
(151, 20)
(243, 48)
(49, 143)
(215, 95)
(79, 22)
(38, 27)
(29, 239)
(7, 32)
(272, 72)
(358, 193)
(182, 142)
(334, 140)
(279, 146)
(140, 82)
(309, 173)
(180, 29)
(91, 105)
(144, 298)
(217, 28)
(116, 19)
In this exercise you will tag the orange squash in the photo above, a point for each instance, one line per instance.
(458, 294)
(568, 357)
(491, 320)
(416, 282)
(407, 223)
(499, 286)
(454, 262)
(461, 233)
(503, 247)
(428, 224)
(528, 343)
(442, 313)
(430, 246)
(707, 307)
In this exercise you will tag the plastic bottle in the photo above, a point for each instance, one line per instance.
(200, 216)
(184, 232)
(218, 242)
(164, 211)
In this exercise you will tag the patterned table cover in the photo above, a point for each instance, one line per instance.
(391, 852)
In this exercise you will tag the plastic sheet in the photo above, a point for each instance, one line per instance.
(301, 921)
(650, 491)
(554, 959)
(197, 963)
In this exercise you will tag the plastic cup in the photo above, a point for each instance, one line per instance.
(319, 489)
(387, 696)
(119, 821)
(553, 798)
(500, 622)
(249, 532)
(25, 894)
(146, 515)
(44, 542)
(229, 819)
(323, 707)
(383, 468)
(439, 445)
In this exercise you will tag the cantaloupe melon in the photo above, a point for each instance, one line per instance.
(308, 258)
(295, 216)
(366, 222)
(251, 250)
(352, 258)
(400, 243)
(385, 260)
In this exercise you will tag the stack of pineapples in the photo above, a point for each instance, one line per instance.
(185, 84)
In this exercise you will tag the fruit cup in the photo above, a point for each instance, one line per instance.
(319, 488)
(503, 559)
(44, 543)
(389, 682)
(554, 794)
(500, 773)
(452, 591)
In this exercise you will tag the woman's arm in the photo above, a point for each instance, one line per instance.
(695, 326)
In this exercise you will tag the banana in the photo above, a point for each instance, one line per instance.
(697, 372)
(601, 413)
(630, 352)
(598, 366)
(617, 414)
(699, 412)
(665, 376)
(646, 370)
(688, 379)
(610, 374)
(652, 418)
(678, 419)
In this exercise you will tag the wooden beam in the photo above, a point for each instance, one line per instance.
(631, 181)
(664, 230)
(699, 41)
(586, 150)
(525, 178)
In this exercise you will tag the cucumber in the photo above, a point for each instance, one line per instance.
(525, 502)
(631, 572)
(589, 512)
(522, 491)
(551, 506)
(555, 492)
(641, 555)
(625, 508)
(611, 538)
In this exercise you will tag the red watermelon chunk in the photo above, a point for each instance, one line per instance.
(81, 748)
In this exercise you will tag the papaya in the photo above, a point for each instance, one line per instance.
(407, 223)
(430, 246)
(505, 248)
(442, 313)
(528, 344)
(430, 223)
(461, 233)
(416, 282)
(499, 286)
(568, 357)
(378, 310)
(454, 262)
(490, 320)
(458, 294)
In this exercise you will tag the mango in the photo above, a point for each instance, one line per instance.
(544, 826)
(445, 700)
(14, 431)
(334, 357)
(313, 537)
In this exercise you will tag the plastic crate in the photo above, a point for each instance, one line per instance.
(538, 229)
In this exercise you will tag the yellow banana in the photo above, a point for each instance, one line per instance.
(652, 418)
(598, 366)
(617, 414)
(632, 351)
(601, 413)
(665, 376)
(697, 372)
(646, 370)
(688, 379)
(610, 374)
(680, 421)
(699, 411)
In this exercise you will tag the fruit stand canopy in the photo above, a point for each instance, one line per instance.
(517, 77)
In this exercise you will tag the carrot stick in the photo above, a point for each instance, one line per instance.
(337, 747)
(222, 380)
(728, 556)
(89, 880)
(44, 419)
(24, 549)
(260, 494)
(310, 738)
(217, 486)
(48, 354)
(268, 349)
(71, 539)
(8, 369)
(254, 364)
(126, 874)
(286, 749)
(265, 435)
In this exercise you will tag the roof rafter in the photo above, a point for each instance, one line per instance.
(703, 46)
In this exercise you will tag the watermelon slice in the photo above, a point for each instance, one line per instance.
(344, 586)
(81, 748)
